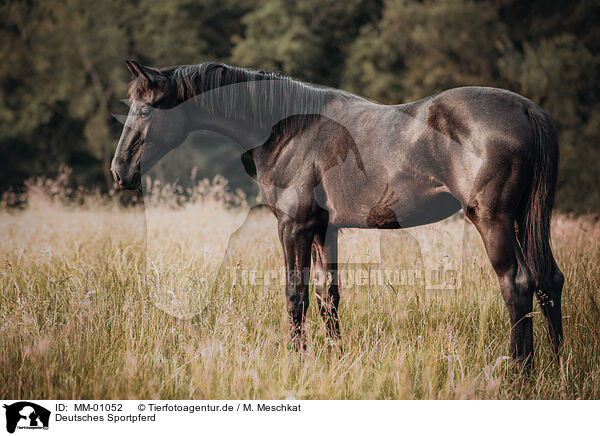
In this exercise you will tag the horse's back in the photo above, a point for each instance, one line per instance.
(481, 120)
(462, 130)
(484, 110)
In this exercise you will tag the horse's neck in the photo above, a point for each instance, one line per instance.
(245, 134)
(247, 112)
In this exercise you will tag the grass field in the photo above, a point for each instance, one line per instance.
(92, 306)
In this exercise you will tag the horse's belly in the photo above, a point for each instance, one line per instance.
(389, 210)
(430, 210)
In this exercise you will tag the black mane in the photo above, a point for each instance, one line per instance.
(246, 101)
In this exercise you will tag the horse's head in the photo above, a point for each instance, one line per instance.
(154, 126)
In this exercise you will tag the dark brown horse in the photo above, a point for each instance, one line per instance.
(326, 159)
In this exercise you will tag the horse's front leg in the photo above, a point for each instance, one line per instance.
(324, 254)
(296, 238)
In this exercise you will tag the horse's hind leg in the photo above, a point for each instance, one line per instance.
(324, 254)
(549, 299)
(492, 210)
(514, 278)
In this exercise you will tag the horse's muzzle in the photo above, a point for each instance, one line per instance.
(126, 179)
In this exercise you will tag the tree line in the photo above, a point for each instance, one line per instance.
(63, 72)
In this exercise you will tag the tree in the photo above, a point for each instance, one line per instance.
(307, 39)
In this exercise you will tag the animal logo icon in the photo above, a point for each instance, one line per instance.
(26, 415)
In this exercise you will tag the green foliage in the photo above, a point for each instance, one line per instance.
(63, 71)
(423, 48)
(307, 40)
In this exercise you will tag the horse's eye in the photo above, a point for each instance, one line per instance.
(145, 112)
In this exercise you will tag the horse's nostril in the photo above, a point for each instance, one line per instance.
(116, 176)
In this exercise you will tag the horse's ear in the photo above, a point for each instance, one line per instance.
(132, 69)
(150, 74)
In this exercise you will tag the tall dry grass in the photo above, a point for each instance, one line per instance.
(105, 301)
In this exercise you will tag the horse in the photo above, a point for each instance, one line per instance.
(326, 159)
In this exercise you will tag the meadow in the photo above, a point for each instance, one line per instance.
(102, 301)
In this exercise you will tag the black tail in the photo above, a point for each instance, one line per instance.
(536, 208)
